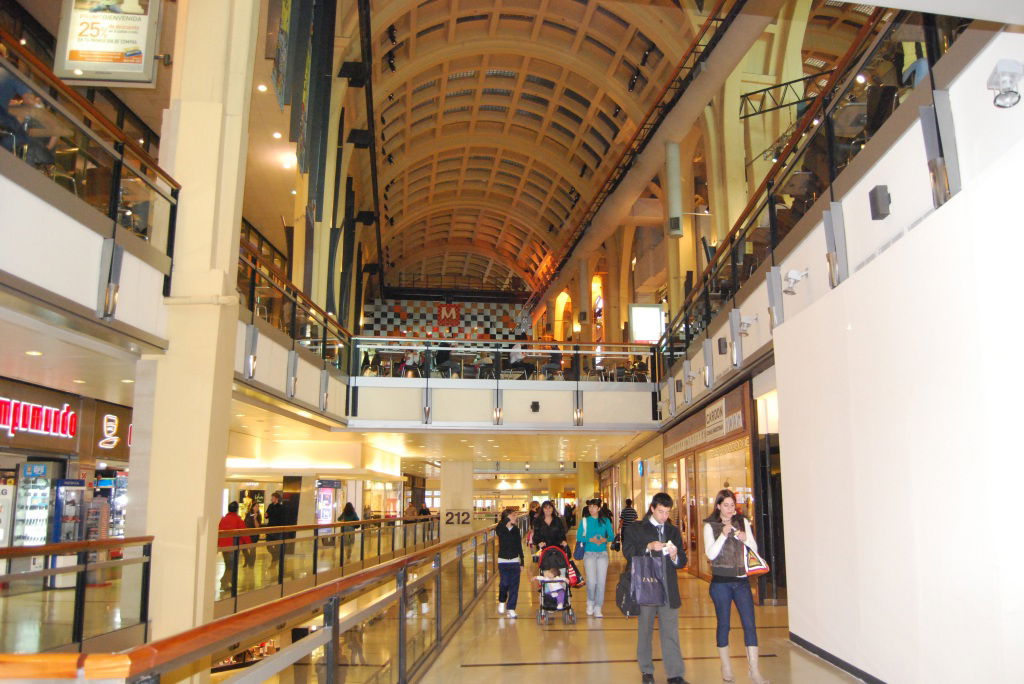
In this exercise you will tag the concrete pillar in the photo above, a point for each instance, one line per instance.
(549, 317)
(456, 499)
(183, 398)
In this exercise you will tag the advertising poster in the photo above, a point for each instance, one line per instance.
(108, 41)
(280, 70)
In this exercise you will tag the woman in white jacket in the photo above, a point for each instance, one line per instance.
(726, 534)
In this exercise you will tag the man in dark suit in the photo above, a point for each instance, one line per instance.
(655, 535)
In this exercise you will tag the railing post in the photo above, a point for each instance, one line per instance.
(114, 200)
(487, 563)
(400, 581)
(362, 544)
(393, 528)
(331, 649)
(78, 619)
(405, 537)
(147, 553)
(234, 569)
(379, 528)
(458, 560)
(341, 547)
(280, 560)
(438, 629)
(773, 220)
(475, 570)
(316, 551)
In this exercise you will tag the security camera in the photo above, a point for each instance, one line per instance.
(1004, 79)
(745, 324)
(792, 278)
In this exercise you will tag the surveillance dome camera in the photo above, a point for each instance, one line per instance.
(1004, 79)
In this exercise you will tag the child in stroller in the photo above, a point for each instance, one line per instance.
(554, 592)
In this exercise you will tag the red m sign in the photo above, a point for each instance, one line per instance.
(448, 314)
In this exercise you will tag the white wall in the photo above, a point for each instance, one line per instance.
(899, 392)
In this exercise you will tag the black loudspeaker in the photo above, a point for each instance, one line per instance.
(723, 345)
(360, 137)
(880, 201)
(535, 406)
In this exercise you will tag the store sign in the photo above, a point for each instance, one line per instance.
(448, 315)
(714, 420)
(329, 484)
(108, 42)
(37, 419)
(112, 431)
(731, 423)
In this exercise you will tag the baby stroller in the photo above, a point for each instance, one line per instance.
(568, 576)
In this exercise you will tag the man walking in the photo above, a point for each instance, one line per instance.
(656, 536)
(230, 521)
(627, 516)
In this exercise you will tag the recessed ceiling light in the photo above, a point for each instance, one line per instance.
(244, 426)
(239, 415)
(127, 381)
(276, 135)
(33, 352)
(294, 192)
(262, 88)
(78, 382)
(78, 72)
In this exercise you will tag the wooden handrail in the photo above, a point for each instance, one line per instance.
(777, 168)
(72, 547)
(200, 641)
(15, 46)
(247, 531)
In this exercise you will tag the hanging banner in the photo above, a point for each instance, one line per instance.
(108, 42)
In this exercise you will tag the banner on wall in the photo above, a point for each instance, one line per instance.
(108, 42)
(646, 323)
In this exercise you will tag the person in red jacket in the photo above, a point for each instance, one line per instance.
(231, 521)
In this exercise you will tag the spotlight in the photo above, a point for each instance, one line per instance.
(616, 111)
(392, 35)
(382, 121)
(391, 159)
(861, 78)
(391, 97)
(632, 80)
(643, 58)
(391, 62)
(1004, 79)
(792, 278)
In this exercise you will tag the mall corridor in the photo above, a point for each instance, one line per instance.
(492, 649)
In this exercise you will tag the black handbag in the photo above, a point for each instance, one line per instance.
(624, 596)
(616, 544)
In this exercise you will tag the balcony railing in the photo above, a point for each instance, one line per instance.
(267, 293)
(108, 590)
(405, 608)
(277, 556)
(63, 136)
(866, 88)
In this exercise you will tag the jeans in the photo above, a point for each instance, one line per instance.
(668, 631)
(596, 565)
(508, 584)
(723, 594)
(229, 562)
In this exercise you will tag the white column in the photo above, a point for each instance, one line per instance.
(456, 499)
(183, 398)
(673, 190)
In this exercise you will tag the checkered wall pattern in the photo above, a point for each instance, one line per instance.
(412, 318)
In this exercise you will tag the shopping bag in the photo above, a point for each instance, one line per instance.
(648, 580)
(753, 563)
(580, 548)
(572, 573)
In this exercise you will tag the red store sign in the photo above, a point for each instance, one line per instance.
(20, 416)
(448, 315)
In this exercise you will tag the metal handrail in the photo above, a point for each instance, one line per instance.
(280, 529)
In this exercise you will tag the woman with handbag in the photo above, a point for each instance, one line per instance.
(727, 537)
(594, 533)
(548, 528)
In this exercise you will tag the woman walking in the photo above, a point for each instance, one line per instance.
(348, 534)
(548, 528)
(595, 531)
(726, 533)
(510, 562)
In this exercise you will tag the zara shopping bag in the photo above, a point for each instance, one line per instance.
(648, 580)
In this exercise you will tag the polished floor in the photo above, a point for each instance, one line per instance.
(491, 649)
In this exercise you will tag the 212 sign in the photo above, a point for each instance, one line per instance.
(456, 518)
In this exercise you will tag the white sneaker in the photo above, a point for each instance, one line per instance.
(590, 608)
(512, 614)
(501, 608)
(598, 613)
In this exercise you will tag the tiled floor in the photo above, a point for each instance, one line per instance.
(491, 649)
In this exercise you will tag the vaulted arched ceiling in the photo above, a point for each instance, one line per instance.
(500, 119)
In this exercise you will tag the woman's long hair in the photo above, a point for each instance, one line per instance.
(349, 509)
(716, 515)
(554, 511)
